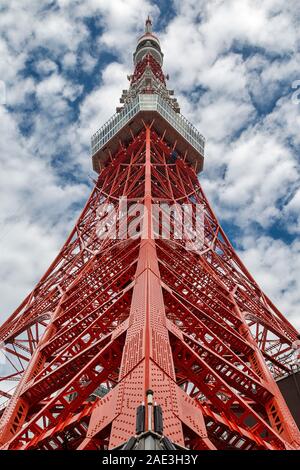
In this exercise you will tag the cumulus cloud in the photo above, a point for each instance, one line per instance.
(46, 66)
(276, 266)
(35, 212)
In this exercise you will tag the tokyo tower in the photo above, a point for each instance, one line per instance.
(147, 331)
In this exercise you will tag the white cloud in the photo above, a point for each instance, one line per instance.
(276, 266)
(19, 271)
(56, 86)
(101, 103)
(35, 212)
(69, 60)
(46, 66)
(259, 169)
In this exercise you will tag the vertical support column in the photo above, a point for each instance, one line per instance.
(147, 245)
(278, 413)
(147, 359)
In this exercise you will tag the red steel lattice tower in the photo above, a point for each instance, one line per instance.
(115, 316)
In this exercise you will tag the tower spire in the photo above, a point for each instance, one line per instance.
(148, 25)
(148, 76)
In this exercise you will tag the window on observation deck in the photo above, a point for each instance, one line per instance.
(148, 42)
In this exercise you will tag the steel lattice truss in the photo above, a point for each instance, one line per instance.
(125, 315)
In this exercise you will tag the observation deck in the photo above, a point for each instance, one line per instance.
(146, 108)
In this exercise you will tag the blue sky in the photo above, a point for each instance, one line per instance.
(232, 64)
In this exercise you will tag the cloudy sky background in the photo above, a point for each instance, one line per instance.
(232, 64)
